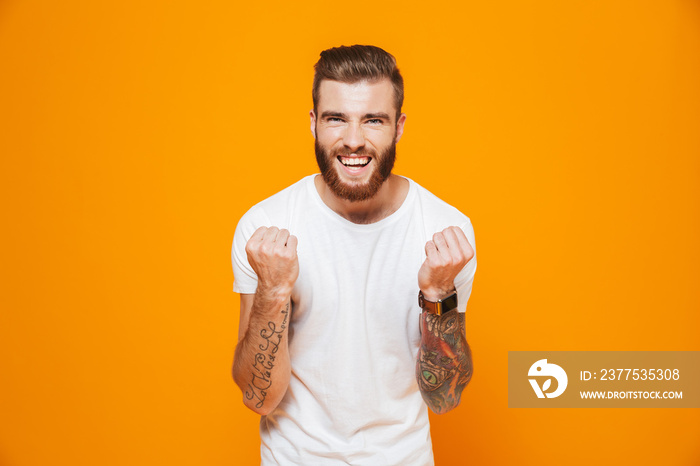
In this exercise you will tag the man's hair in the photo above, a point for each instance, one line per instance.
(358, 63)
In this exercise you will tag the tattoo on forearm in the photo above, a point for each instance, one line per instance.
(265, 359)
(444, 365)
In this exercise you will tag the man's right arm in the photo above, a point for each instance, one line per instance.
(261, 366)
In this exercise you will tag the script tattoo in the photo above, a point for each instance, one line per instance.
(265, 359)
(444, 365)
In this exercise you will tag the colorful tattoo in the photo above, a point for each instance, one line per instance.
(444, 365)
(265, 360)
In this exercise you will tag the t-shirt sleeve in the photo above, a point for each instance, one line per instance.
(245, 279)
(465, 278)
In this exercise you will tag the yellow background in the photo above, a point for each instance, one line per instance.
(135, 134)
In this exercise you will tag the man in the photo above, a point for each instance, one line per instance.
(334, 351)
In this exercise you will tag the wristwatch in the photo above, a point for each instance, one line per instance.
(441, 306)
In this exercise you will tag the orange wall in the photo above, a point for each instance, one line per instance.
(134, 135)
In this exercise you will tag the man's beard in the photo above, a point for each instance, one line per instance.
(355, 193)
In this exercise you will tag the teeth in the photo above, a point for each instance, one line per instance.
(353, 161)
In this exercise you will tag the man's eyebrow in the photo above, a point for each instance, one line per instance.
(333, 114)
(367, 116)
(381, 115)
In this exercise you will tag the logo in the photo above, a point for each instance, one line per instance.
(543, 369)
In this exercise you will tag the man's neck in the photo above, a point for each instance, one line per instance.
(387, 201)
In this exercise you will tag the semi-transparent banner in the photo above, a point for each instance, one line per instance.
(604, 379)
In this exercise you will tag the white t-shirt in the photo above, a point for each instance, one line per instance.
(353, 336)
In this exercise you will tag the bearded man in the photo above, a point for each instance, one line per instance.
(353, 287)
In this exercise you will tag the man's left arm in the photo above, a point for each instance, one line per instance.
(444, 364)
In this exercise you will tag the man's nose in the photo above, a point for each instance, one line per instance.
(354, 137)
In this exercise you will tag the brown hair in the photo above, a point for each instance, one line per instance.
(358, 63)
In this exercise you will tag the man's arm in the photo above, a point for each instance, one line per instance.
(261, 366)
(444, 363)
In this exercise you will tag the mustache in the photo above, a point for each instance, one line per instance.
(362, 152)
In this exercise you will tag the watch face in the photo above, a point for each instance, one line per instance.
(449, 303)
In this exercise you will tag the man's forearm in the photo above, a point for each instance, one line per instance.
(261, 365)
(444, 365)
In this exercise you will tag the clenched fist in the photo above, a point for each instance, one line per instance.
(273, 255)
(447, 253)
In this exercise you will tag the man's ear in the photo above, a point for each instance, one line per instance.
(399, 126)
(312, 116)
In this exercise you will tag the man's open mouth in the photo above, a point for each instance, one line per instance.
(354, 162)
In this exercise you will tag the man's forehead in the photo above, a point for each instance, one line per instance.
(379, 93)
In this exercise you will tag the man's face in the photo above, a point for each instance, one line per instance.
(356, 134)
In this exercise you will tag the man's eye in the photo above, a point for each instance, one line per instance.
(375, 121)
(334, 120)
